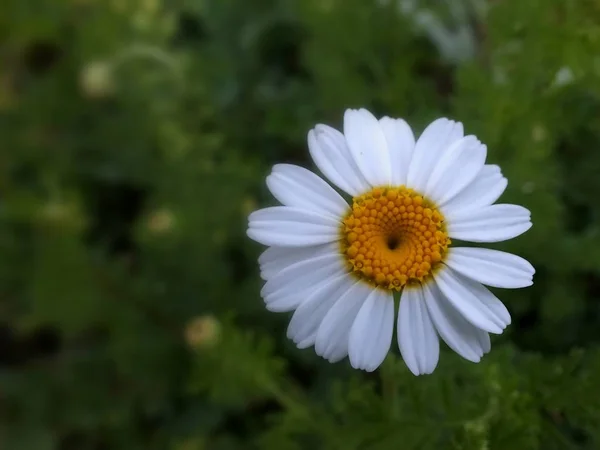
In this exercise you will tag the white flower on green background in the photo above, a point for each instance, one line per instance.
(338, 264)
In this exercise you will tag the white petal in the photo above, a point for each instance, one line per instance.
(492, 223)
(371, 332)
(457, 168)
(484, 340)
(401, 144)
(292, 285)
(465, 339)
(485, 189)
(491, 267)
(299, 187)
(368, 146)
(291, 227)
(274, 259)
(308, 342)
(491, 169)
(286, 303)
(308, 317)
(476, 303)
(417, 339)
(436, 138)
(334, 331)
(331, 154)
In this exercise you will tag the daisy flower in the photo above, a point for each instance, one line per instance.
(340, 265)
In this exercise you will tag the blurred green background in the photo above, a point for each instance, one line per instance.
(135, 136)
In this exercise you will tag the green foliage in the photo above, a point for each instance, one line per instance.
(136, 135)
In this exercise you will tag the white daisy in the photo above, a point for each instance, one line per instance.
(338, 265)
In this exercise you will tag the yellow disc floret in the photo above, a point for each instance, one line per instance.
(393, 237)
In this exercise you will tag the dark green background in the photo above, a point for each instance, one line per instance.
(135, 136)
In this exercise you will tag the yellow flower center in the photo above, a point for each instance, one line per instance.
(393, 237)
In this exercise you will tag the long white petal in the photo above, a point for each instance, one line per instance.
(436, 139)
(291, 227)
(491, 267)
(492, 223)
(299, 187)
(329, 151)
(457, 168)
(476, 303)
(308, 317)
(334, 331)
(417, 339)
(292, 285)
(401, 144)
(371, 333)
(485, 189)
(461, 336)
(274, 259)
(368, 146)
(484, 340)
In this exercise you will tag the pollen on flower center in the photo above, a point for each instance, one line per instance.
(392, 237)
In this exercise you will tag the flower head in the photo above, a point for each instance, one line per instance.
(202, 332)
(339, 265)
